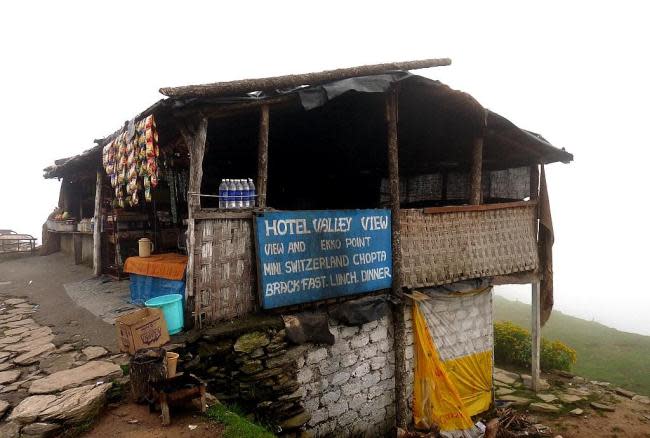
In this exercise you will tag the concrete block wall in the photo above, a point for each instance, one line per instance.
(350, 386)
(464, 324)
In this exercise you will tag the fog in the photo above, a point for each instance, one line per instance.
(576, 73)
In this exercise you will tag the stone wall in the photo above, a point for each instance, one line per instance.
(249, 363)
(340, 390)
(350, 386)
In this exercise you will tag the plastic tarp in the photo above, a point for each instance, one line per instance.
(361, 311)
(453, 360)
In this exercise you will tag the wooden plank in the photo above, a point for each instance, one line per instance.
(263, 156)
(515, 278)
(482, 207)
(536, 336)
(203, 214)
(97, 236)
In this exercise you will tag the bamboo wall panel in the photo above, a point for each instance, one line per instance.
(442, 248)
(224, 274)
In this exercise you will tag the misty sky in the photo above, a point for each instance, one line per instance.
(576, 73)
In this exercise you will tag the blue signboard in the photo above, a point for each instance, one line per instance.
(306, 256)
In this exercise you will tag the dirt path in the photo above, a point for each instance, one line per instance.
(629, 420)
(41, 280)
(135, 421)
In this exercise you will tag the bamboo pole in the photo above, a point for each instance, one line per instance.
(399, 325)
(263, 156)
(97, 230)
(289, 81)
(194, 135)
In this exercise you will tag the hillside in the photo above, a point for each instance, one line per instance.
(604, 353)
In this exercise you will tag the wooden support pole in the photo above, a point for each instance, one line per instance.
(263, 156)
(194, 134)
(77, 248)
(536, 336)
(534, 182)
(476, 171)
(97, 230)
(399, 325)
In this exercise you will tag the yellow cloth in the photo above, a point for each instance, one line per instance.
(435, 397)
(472, 377)
(170, 266)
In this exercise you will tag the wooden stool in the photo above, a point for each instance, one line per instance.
(177, 390)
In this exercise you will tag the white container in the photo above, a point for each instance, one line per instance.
(145, 247)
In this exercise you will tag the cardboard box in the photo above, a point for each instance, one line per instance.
(143, 328)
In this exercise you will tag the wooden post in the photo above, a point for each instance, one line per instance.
(476, 170)
(194, 134)
(536, 336)
(97, 231)
(475, 175)
(77, 248)
(263, 156)
(534, 182)
(399, 325)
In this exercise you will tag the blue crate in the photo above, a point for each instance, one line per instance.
(144, 287)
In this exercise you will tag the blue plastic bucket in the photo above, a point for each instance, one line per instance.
(172, 308)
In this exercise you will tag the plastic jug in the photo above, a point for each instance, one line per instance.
(145, 247)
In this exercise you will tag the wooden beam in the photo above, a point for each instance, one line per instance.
(482, 207)
(536, 336)
(263, 157)
(526, 277)
(289, 81)
(194, 133)
(97, 234)
(399, 324)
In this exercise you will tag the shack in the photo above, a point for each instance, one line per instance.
(387, 206)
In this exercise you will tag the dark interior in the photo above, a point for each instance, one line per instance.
(335, 156)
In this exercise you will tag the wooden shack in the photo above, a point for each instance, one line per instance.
(462, 183)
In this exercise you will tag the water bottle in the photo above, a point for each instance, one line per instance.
(223, 193)
(232, 203)
(251, 193)
(239, 194)
(246, 199)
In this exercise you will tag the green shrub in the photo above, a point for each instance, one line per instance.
(512, 345)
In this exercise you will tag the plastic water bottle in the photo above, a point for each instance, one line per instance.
(251, 193)
(246, 199)
(231, 196)
(223, 193)
(239, 194)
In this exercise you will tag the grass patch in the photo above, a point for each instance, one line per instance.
(236, 426)
(603, 353)
(125, 369)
